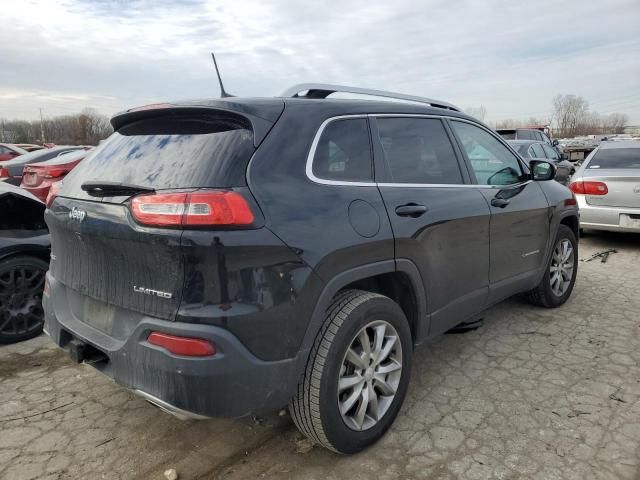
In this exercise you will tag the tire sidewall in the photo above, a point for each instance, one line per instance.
(342, 438)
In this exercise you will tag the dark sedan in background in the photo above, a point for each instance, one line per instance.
(24, 260)
(530, 150)
(11, 171)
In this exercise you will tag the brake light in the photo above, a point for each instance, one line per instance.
(187, 346)
(589, 188)
(53, 193)
(4, 173)
(199, 208)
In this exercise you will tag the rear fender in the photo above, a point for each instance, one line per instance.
(352, 275)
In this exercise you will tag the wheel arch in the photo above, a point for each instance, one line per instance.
(397, 279)
(572, 222)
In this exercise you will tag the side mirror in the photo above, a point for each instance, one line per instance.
(555, 142)
(564, 156)
(542, 170)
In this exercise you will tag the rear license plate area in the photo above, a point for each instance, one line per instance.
(81, 352)
(630, 221)
(30, 179)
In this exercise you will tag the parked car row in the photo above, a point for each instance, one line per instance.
(24, 239)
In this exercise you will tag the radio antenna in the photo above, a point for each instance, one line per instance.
(223, 93)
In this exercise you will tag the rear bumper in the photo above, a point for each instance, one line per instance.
(605, 218)
(231, 383)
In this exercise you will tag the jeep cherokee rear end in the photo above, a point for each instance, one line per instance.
(161, 263)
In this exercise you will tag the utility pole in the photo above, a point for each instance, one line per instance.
(2, 131)
(41, 128)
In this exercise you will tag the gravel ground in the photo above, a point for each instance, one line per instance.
(533, 393)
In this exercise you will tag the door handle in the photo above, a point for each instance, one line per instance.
(499, 202)
(410, 210)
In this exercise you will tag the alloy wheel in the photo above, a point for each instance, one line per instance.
(21, 300)
(562, 267)
(369, 375)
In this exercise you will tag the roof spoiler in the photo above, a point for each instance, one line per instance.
(261, 115)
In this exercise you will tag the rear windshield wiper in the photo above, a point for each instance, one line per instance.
(113, 189)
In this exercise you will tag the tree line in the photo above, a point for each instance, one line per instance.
(85, 128)
(570, 117)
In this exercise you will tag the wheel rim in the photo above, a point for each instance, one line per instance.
(561, 269)
(21, 300)
(369, 375)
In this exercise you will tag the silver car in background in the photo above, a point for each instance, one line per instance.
(607, 187)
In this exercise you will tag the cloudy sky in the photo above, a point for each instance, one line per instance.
(510, 56)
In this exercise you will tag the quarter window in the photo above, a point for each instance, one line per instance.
(492, 162)
(418, 150)
(343, 152)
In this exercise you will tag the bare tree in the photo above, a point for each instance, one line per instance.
(478, 112)
(85, 128)
(568, 110)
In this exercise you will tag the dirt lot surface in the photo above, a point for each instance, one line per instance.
(533, 393)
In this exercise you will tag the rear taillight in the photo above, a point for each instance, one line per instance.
(53, 193)
(202, 208)
(589, 188)
(47, 287)
(187, 346)
(4, 173)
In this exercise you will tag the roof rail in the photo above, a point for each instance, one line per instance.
(323, 90)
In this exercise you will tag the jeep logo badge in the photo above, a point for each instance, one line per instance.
(77, 214)
(636, 189)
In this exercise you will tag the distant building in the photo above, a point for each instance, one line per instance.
(632, 129)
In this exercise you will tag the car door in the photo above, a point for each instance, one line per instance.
(520, 212)
(440, 222)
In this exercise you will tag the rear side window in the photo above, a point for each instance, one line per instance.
(343, 152)
(616, 158)
(170, 152)
(418, 150)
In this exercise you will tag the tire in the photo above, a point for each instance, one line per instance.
(21, 287)
(315, 408)
(548, 292)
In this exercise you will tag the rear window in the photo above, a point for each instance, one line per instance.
(508, 134)
(167, 153)
(616, 158)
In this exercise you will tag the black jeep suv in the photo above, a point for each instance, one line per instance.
(227, 257)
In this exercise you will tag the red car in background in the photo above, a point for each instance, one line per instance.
(8, 151)
(29, 147)
(38, 178)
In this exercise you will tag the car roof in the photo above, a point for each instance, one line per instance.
(620, 144)
(262, 113)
